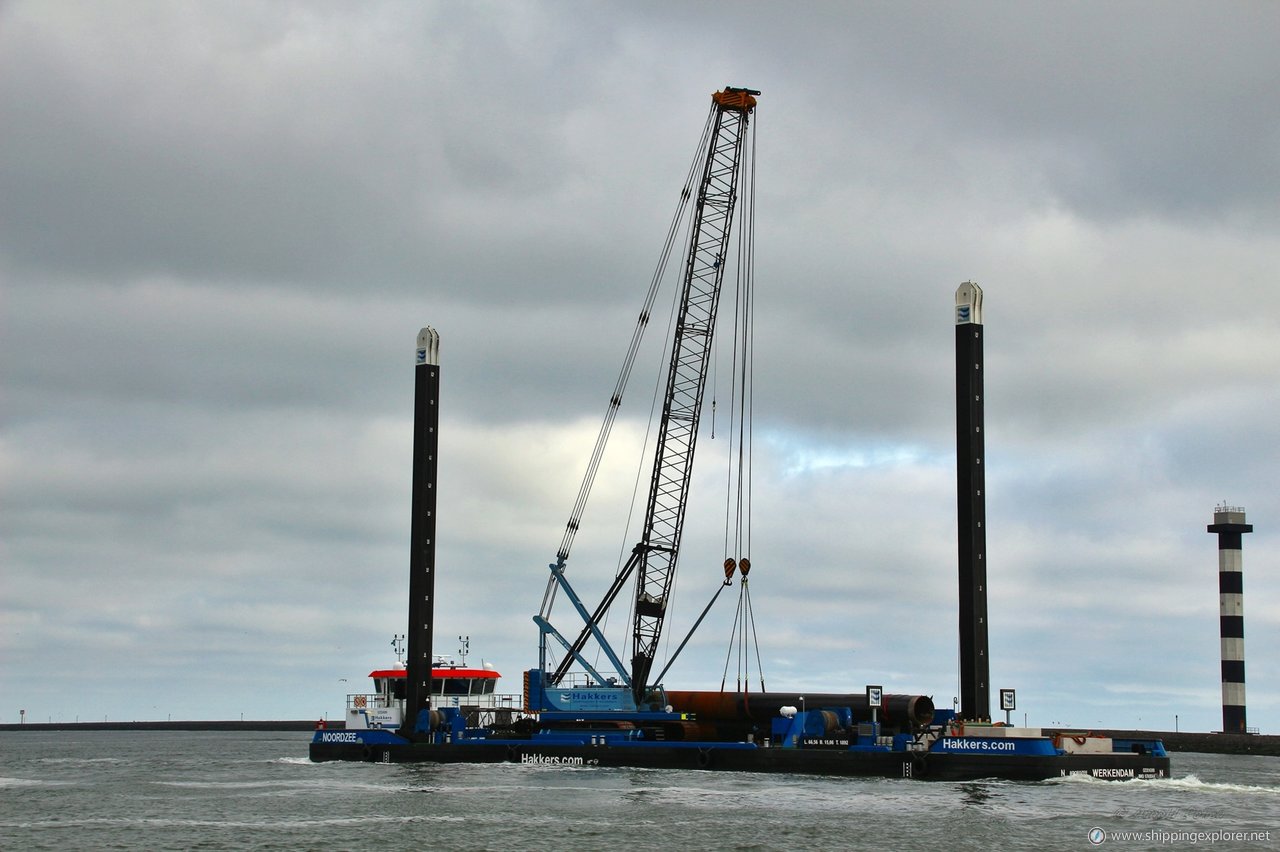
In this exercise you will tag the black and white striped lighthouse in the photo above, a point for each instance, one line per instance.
(1228, 523)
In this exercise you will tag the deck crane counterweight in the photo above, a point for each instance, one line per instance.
(653, 560)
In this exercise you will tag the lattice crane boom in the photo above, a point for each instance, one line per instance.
(659, 546)
(654, 558)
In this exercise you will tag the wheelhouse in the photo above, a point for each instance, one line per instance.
(451, 681)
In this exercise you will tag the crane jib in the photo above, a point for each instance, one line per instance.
(687, 377)
(653, 560)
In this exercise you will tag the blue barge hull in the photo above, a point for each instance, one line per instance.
(746, 757)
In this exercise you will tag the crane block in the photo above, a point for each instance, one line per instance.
(736, 99)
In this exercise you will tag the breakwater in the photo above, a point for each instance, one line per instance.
(1204, 743)
(191, 725)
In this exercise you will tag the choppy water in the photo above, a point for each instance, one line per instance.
(166, 790)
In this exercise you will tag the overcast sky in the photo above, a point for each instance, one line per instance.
(222, 225)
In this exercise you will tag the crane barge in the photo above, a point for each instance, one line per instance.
(625, 717)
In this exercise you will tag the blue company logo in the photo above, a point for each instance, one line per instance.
(962, 313)
(422, 356)
(1097, 836)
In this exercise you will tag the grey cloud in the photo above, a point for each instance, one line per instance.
(221, 227)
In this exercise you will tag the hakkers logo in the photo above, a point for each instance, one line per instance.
(552, 760)
(979, 744)
(583, 695)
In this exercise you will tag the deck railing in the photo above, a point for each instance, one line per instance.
(478, 710)
(491, 701)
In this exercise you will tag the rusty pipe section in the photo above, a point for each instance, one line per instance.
(722, 707)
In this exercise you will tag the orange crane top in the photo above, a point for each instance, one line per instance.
(737, 99)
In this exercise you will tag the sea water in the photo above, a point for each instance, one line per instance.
(212, 791)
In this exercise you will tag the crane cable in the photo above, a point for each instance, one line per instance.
(737, 536)
(615, 400)
(745, 618)
(643, 458)
(738, 494)
(738, 491)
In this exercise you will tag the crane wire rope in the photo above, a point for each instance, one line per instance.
(738, 493)
(642, 458)
(711, 129)
(738, 478)
(615, 400)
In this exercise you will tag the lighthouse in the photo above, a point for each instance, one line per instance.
(1228, 524)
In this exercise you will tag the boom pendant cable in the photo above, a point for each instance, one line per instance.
(624, 375)
(615, 400)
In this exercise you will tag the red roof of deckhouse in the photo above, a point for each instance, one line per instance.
(439, 673)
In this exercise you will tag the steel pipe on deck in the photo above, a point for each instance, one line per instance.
(900, 710)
